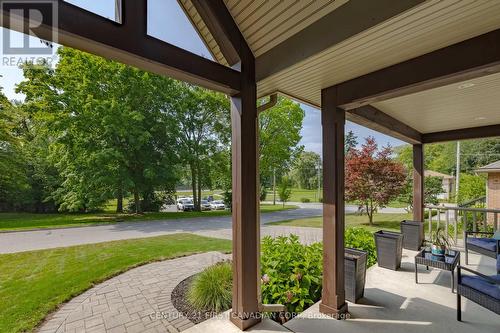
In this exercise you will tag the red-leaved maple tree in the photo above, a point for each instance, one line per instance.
(372, 177)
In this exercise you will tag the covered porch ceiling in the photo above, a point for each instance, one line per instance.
(302, 47)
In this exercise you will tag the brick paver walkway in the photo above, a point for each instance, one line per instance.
(135, 301)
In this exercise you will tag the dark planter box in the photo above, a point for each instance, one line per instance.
(389, 249)
(355, 274)
(412, 231)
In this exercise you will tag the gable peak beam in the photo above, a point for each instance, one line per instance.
(350, 19)
(472, 58)
(129, 44)
(226, 33)
(371, 117)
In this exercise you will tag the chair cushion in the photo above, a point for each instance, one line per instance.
(480, 284)
(485, 243)
(498, 264)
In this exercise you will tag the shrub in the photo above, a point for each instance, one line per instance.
(263, 193)
(426, 213)
(151, 202)
(211, 290)
(291, 272)
(471, 187)
(362, 239)
(305, 200)
(285, 190)
(227, 197)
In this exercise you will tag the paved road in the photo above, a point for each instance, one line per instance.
(213, 226)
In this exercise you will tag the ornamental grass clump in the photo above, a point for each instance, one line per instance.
(212, 289)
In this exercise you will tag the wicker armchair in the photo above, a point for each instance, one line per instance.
(479, 288)
(484, 245)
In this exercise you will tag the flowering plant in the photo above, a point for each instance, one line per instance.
(291, 273)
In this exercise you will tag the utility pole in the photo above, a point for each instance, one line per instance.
(457, 175)
(274, 186)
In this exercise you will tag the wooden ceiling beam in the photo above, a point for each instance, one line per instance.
(371, 117)
(462, 134)
(350, 19)
(224, 30)
(129, 43)
(472, 58)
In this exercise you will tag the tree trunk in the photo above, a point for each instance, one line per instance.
(193, 184)
(119, 199)
(199, 187)
(370, 212)
(274, 186)
(137, 201)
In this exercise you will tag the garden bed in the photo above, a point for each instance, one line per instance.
(181, 303)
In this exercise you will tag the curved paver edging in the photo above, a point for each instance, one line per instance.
(138, 300)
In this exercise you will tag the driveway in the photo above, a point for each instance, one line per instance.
(219, 227)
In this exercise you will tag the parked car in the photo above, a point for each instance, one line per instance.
(185, 204)
(217, 205)
(205, 205)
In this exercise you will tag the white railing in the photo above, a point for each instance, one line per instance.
(468, 219)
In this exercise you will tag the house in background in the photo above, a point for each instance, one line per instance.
(448, 183)
(492, 184)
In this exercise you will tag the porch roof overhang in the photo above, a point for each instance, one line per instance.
(421, 71)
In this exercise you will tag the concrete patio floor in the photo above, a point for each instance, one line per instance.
(392, 303)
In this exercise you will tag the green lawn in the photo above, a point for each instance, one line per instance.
(312, 195)
(380, 221)
(299, 194)
(32, 284)
(20, 221)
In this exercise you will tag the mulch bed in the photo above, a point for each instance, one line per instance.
(180, 302)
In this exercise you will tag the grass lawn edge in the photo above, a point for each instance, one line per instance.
(52, 309)
(134, 219)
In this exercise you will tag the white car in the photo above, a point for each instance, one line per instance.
(185, 204)
(217, 205)
(205, 205)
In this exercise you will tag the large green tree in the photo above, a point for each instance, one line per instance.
(109, 128)
(441, 157)
(13, 179)
(305, 170)
(279, 136)
(202, 135)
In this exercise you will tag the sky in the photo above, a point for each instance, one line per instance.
(167, 21)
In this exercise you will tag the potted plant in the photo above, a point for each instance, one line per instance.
(413, 232)
(355, 274)
(439, 242)
(389, 249)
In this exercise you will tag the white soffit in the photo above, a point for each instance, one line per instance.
(467, 104)
(422, 29)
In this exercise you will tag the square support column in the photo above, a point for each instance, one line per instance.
(333, 123)
(418, 182)
(246, 232)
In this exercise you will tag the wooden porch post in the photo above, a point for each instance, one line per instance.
(418, 183)
(245, 172)
(333, 121)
